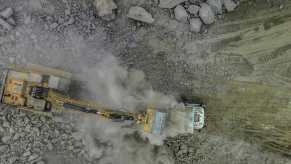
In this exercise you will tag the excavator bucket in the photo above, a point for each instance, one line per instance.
(188, 119)
(184, 120)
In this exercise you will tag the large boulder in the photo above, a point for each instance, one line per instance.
(6, 19)
(5, 24)
(6, 13)
(206, 14)
(5, 139)
(216, 5)
(105, 9)
(193, 9)
(181, 14)
(195, 25)
(230, 5)
(170, 3)
(140, 14)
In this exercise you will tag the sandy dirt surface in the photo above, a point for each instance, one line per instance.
(240, 69)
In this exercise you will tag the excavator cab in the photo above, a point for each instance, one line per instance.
(27, 87)
(185, 120)
(38, 98)
(39, 92)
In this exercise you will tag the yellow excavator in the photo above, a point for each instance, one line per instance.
(44, 90)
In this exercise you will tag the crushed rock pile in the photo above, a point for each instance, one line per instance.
(203, 148)
(7, 21)
(67, 15)
(27, 138)
(199, 13)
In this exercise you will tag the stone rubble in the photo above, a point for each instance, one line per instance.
(181, 14)
(206, 10)
(140, 14)
(193, 9)
(84, 21)
(203, 148)
(170, 3)
(6, 13)
(105, 9)
(229, 5)
(206, 14)
(195, 25)
(7, 21)
(216, 6)
(5, 25)
(27, 137)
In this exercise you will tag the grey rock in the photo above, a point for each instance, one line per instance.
(11, 21)
(195, 25)
(184, 148)
(194, 1)
(170, 3)
(77, 136)
(40, 162)
(140, 14)
(50, 146)
(54, 25)
(4, 148)
(70, 147)
(181, 14)
(193, 9)
(281, 6)
(27, 128)
(229, 5)
(33, 157)
(6, 13)
(186, 4)
(28, 153)
(70, 21)
(216, 6)
(5, 139)
(105, 8)
(67, 12)
(16, 137)
(12, 159)
(76, 150)
(21, 134)
(206, 14)
(30, 141)
(5, 24)
(2, 129)
(11, 130)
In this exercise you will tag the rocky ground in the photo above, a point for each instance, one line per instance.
(180, 53)
(30, 138)
(207, 149)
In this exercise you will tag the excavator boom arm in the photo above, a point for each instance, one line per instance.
(67, 103)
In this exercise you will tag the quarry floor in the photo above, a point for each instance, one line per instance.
(240, 68)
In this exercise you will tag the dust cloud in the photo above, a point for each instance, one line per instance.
(111, 143)
(117, 87)
(110, 84)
